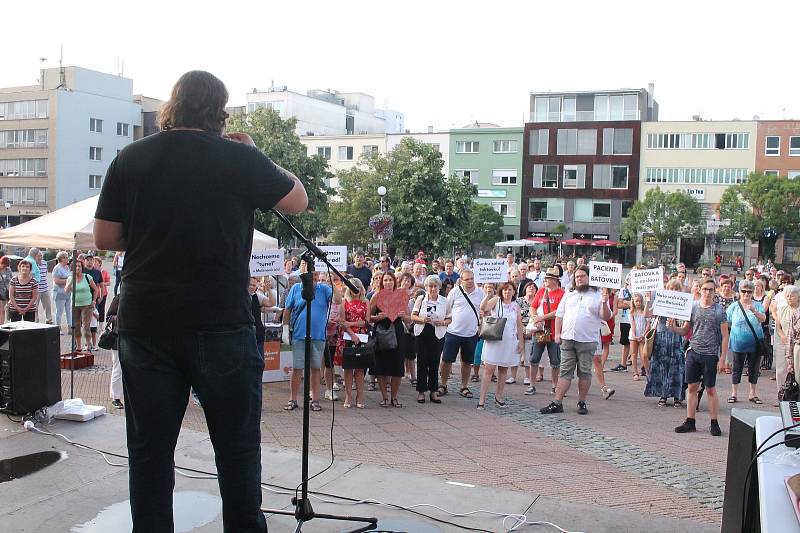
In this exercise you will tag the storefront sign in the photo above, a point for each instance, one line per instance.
(649, 243)
(697, 194)
(545, 235)
(607, 275)
(491, 193)
(600, 237)
(490, 270)
(673, 304)
(647, 280)
(733, 240)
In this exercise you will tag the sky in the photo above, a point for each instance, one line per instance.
(442, 63)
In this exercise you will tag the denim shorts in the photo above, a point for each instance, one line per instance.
(299, 353)
(455, 343)
(701, 367)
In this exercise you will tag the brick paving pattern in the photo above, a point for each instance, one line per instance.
(623, 455)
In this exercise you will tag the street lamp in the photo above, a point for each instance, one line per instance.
(8, 207)
(381, 193)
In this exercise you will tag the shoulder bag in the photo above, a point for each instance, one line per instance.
(544, 335)
(108, 339)
(649, 338)
(789, 391)
(386, 338)
(761, 345)
(493, 326)
(361, 355)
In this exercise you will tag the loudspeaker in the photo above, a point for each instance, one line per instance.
(741, 448)
(30, 367)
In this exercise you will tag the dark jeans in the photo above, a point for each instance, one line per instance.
(429, 352)
(117, 280)
(740, 359)
(224, 368)
(14, 316)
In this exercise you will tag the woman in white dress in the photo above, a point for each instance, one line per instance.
(504, 353)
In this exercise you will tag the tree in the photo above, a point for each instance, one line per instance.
(485, 225)
(663, 217)
(761, 209)
(430, 211)
(277, 139)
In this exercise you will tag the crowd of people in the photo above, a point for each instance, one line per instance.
(546, 308)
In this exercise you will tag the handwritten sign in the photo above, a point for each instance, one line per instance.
(337, 255)
(392, 302)
(490, 270)
(673, 304)
(605, 274)
(646, 280)
(266, 263)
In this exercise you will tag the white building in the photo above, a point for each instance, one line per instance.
(439, 140)
(328, 112)
(344, 152)
(57, 138)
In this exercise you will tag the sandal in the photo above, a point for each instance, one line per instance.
(465, 392)
(435, 400)
(756, 400)
(371, 387)
(396, 403)
(421, 398)
(732, 399)
(481, 406)
(315, 406)
(498, 403)
(360, 406)
(384, 403)
(442, 390)
(291, 405)
(662, 402)
(414, 382)
(346, 405)
(678, 404)
(474, 379)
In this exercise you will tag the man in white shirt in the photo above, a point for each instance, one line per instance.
(566, 277)
(578, 319)
(462, 334)
(536, 274)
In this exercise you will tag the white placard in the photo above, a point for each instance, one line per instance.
(363, 337)
(337, 255)
(490, 270)
(266, 263)
(605, 274)
(646, 280)
(673, 304)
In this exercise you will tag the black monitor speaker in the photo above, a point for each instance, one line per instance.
(30, 367)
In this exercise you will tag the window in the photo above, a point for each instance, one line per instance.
(616, 107)
(24, 195)
(601, 177)
(345, 153)
(23, 139)
(701, 140)
(601, 211)
(506, 209)
(370, 149)
(95, 153)
(626, 206)
(96, 125)
(568, 113)
(505, 147)
(94, 181)
(792, 174)
(773, 145)
(24, 109)
(547, 209)
(123, 130)
(583, 210)
(669, 140)
(617, 141)
(547, 109)
(771, 173)
(472, 174)
(545, 176)
(587, 142)
(539, 140)
(619, 177)
(601, 107)
(567, 142)
(435, 146)
(692, 176)
(794, 145)
(574, 177)
(467, 147)
(504, 177)
(737, 140)
(324, 151)
(35, 168)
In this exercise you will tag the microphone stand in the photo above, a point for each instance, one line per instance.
(303, 511)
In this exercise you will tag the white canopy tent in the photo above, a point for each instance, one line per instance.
(70, 228)
(514, 243)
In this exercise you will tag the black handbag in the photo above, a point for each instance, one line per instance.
(109, 338)
(386, 338)
(790, 391)
(361, 355)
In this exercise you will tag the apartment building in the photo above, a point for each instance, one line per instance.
(344, 152)
(491, 157)
(703, 158)
(58, 137)
(778, 153)
(328, 112)
(440, 140)
(581, 164)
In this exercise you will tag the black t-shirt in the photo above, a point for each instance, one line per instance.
(364, 274)
(255, 310)
(96, 275)
(187, 201)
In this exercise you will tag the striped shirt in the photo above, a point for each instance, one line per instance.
(23, 292)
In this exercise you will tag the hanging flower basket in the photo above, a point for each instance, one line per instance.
(381, 225)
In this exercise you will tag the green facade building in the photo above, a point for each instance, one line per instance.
(491, 157)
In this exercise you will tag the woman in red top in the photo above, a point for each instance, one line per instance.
(355, 321)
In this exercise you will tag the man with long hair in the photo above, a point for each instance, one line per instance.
(188, 195)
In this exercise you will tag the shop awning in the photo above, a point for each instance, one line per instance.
(576, 242)
(537, 240)
(604, 242)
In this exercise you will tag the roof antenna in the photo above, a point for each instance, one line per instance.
(62, 74)
(41, 70)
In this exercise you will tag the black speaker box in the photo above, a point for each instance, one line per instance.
(30, 367)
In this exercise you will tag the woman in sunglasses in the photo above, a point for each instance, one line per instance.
(745, 318)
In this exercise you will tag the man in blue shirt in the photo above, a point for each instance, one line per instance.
(295, 315)
(34, 259)
(449, 273)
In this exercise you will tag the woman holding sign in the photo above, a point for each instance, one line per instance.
(503, 353)
(389, 361)
(667, 362)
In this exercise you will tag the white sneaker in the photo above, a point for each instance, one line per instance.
(526, 381)
(330, 395)
(510, 381)
(335, 386)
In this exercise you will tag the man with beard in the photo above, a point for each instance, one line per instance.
(577, 330)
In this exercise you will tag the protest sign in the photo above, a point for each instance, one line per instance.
(605, 274)
(266, 263)
(673, 304)
(646, 280)
(337, 255)
(490, 270)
